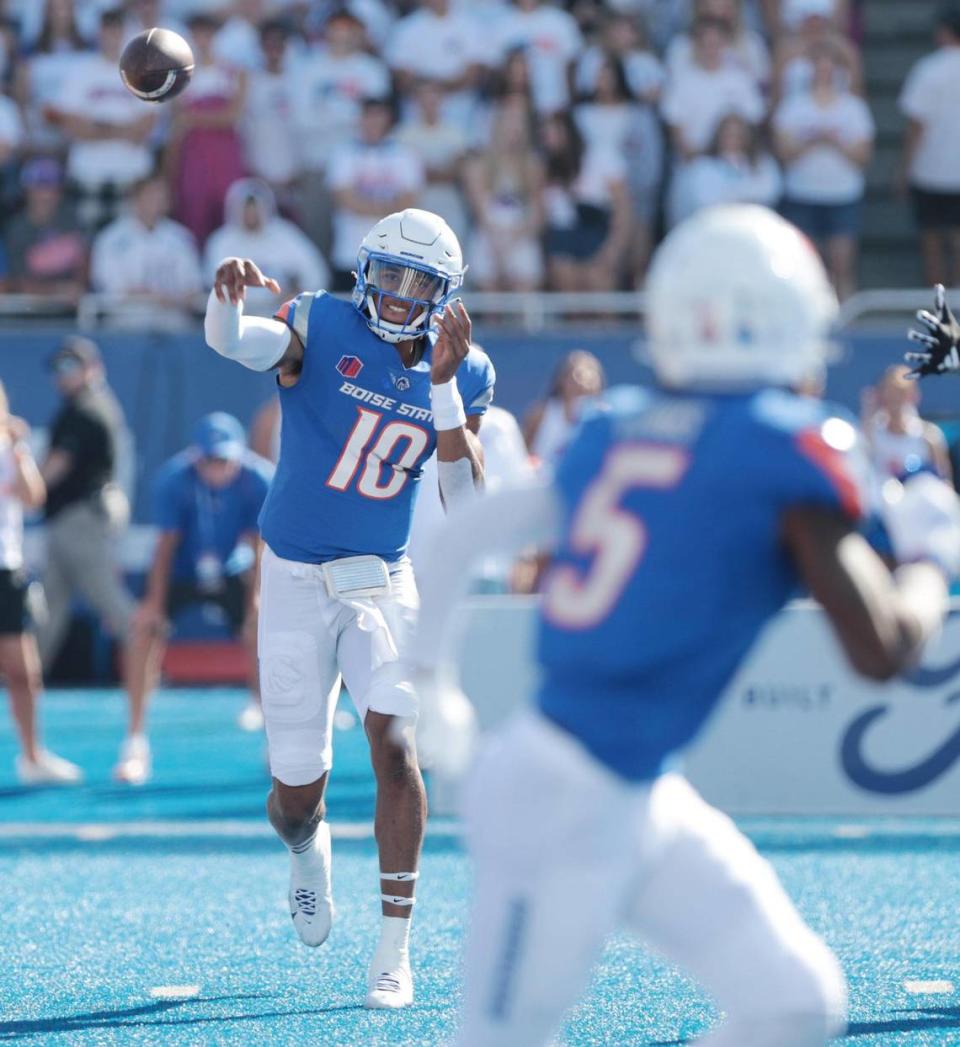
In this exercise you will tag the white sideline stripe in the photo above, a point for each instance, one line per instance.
(98, 832)
(175, 992)
(923, 988)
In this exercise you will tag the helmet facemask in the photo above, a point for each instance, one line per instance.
(398, 297)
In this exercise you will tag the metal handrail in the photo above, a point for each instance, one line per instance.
(533, 311)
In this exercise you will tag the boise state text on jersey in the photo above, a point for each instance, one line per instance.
(671, 559)
(355, 432)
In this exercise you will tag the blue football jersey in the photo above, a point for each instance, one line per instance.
(355, 432)
(671, 559)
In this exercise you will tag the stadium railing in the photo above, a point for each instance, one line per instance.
(530, 312)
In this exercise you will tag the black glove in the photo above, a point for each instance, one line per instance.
(938, 337)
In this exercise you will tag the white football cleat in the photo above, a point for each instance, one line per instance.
(48, 769)
(311, 890)
(388, 990)
(251, 717)
(133, 764)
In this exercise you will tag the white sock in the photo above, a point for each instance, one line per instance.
(315, 849)
(394, 941)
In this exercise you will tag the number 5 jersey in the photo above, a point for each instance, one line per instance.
(355, 432)
(672, 560)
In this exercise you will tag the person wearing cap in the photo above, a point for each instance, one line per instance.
(48, 252)
(206, 502)
(85, 509)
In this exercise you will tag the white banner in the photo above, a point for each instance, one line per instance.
(797, 732)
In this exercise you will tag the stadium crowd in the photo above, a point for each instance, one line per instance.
(559, 140)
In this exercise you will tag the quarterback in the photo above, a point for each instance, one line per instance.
(369, 390)
(667, 564)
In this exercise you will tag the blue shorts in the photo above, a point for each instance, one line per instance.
(824, 221)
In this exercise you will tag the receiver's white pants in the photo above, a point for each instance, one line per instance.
(306, 639)
(565, 852)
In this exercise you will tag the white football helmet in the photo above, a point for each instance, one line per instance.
(738, 297)
(412, 258)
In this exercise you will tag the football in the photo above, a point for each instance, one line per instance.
(156, 65)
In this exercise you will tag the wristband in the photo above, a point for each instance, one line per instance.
(447, 406)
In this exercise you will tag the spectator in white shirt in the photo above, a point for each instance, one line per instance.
(552, 42)
(825, 140)
(269, 135)
(370, 179)
(238, 40)
(441, 144)
(610, 118)
(706, 90)
(505, 188)
(254, 230)
(11, 143)
(441, 44)
(145, 255)
(106, 126)
(624, 37)
(808, 25)
(746, 50)
(735, 169)
(39, 77)
(931, 151)
(588, 214)
(328, 87)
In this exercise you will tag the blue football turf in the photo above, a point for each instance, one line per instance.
(107, 894)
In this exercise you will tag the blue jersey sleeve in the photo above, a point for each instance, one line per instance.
(168, 496)
(814, 455)
(475, 380)
(301, 314)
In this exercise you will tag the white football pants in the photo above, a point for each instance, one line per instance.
(306, 639)
(566, 852)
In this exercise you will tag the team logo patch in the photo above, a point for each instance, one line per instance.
(349, 366)
(402, 382)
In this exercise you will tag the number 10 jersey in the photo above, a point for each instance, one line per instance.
(355, 433)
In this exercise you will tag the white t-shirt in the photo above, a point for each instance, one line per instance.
(128, 257)
(601, 169)
(434, 46)
(930, 97)
(95, 90)
(11, 126)
(630, 130)
(11, 513)
(269, 135)
(749, 54)
(46, 75)
(377, 172)
(710, 180)
(237, 43)
(552, 41)
(823, 175)
(696, 100)
(281, 249)
(327, 92)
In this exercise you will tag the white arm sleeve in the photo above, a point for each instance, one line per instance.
(457, 485)
(504, 523)
(254, 341)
